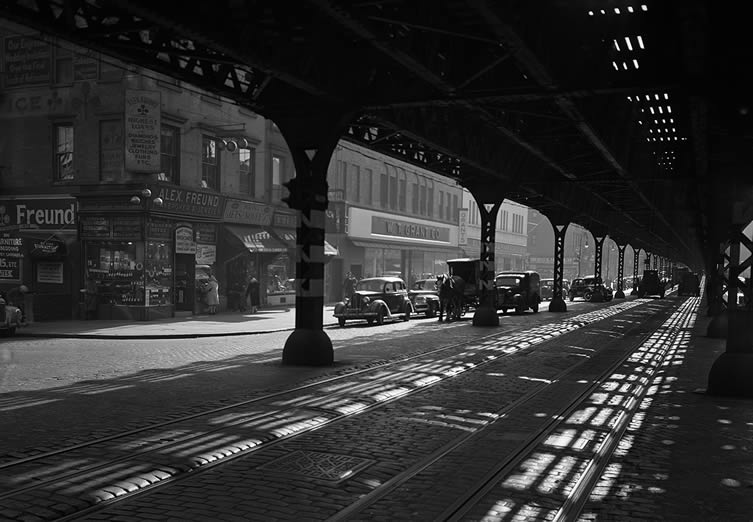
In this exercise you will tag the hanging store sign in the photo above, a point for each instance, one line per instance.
(462, 227)
(142, 131)
(206, 254)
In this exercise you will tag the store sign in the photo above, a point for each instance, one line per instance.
(48, 248)
(406, 229)
(142, 131)
(38, 214)
(10, 258)
(285, 219)
(247, 212)
(189, 202)
(184, 243)
(462, 227)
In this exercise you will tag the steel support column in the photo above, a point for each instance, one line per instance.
(486, 313)
(311, 138)
(620, 294)
(732, 373)
(636, 263)
(717, 288)
(598, 245)
(557, 303)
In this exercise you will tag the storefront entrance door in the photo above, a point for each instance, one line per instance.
(185, 284)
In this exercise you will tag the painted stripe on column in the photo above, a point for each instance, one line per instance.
(317, 220)
(315, 288)
(315, 255)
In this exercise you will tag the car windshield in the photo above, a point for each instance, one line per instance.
(544, 282)
(508, 281)
(370, 285)
(427, 284)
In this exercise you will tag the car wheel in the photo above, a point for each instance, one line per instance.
(380, 316)
(535, 307)
(341, 321)
(588, 296)
(571, 297)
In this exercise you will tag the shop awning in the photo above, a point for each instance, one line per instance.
(288, 237)
(256, 239)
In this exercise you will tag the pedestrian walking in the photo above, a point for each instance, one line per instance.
(212, 294)
(252, 294)
(349, 285)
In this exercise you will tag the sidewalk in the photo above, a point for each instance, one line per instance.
(204, 325)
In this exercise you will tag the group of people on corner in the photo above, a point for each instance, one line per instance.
(15, 297)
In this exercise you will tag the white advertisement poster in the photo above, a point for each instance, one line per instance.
(206, 254)
(142, 131)
(184, 243)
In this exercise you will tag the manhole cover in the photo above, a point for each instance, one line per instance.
(323, 466)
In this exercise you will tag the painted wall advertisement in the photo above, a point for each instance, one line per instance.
(142, 130)
(27, 61)
(10, 258)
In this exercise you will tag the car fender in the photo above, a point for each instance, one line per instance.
(376, 304)
(339, 307)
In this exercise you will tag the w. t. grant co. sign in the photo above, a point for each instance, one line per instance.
(408, 230)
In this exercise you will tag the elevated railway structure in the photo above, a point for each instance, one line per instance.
(631, 118)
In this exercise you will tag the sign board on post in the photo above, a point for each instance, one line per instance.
(142, 130)
(184, 243)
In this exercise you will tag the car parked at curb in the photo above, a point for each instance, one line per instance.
(424, 296)
(518, 291)
(11, 318)
(376, 299)
(588, 287)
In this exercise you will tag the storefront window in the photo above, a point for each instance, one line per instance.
(159, 273)
(279, 277)
(118, 271)
(382, 261)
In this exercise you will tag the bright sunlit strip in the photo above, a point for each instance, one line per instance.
(628, 43)
(630, 9)
(616, 45)
(635, 63)
(616, 67)
(644, 7)
(640, 41)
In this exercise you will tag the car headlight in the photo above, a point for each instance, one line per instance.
(366, 300)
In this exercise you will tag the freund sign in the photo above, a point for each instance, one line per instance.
(38, 214)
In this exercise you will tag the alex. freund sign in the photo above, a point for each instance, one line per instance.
(142, 130)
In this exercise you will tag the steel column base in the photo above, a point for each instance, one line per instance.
(557, 305)
(308, 347)
(730, 375)
(718, 327)
(619, 295)
(485, 316)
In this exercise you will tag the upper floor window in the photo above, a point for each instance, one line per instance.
(64, 152)
(430, 199)
(63, 65)
(455, 208)
(210, 163)
(246, 171)
(383, 191)
(169, 154)
(368, 192)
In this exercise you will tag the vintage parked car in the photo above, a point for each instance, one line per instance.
(586, 287)
(10, 318)
(518, 290)
(425, 297)
(651, 284)
(547, 289)
(376, 299)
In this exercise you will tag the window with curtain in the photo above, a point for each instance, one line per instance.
(210, 163)
(383, 191)
(63, 168)
(170, 154)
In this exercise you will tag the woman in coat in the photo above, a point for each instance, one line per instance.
(213, 294)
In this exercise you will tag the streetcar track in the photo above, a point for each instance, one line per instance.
(565, 326)
(524, 449)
